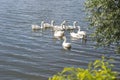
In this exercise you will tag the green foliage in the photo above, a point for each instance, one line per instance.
(104, 17)
(98, 70)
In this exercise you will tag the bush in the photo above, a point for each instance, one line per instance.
(98, 70)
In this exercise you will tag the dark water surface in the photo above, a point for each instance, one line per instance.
(28, 55)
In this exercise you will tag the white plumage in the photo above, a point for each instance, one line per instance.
(37, 27)
(68, 27)
(59, 27)
(58, 34)
(76, 35)
(81, 32)
(65, 44)
(47, 25)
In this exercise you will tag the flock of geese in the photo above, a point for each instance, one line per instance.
(60, 29)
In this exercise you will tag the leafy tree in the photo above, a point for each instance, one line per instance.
(104, 17)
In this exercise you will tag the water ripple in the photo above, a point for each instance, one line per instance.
(36, 55)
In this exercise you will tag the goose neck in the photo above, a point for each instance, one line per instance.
(42, 24)
(63, 27)
(52, 23)
(64, 40)
(78, 28)
(74, 25)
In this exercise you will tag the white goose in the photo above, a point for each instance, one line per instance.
(81, 32)
(59, 28)
(68, 27)
(58, 34)
(66, 45)
(47, 25)
(37, 27)
(75, 35)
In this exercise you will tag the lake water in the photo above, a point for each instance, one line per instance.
(28, 55)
